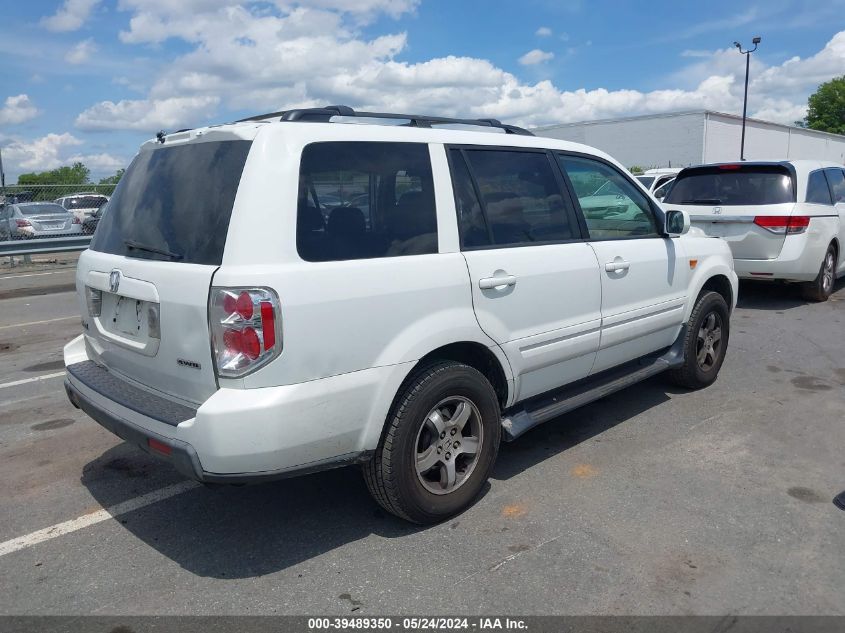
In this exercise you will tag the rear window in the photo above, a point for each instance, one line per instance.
(733, 185)
(174, 203)
(360, 200)
(85, 202)
(42, 209)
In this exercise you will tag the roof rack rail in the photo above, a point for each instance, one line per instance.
(325, 114)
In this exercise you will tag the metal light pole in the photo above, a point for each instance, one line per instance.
(747, 54)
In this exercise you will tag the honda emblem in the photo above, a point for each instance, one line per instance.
(114, 281)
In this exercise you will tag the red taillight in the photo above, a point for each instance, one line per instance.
(159, 447)
(243, 306)
(268, 324)
(730, 167)
(782, 224)
(250, 343)
(244, 328)
(75, 220)
(23, 223)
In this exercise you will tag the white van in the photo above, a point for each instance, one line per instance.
(783, 220)
(291, 293)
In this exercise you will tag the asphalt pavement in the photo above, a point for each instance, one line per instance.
(652, 501)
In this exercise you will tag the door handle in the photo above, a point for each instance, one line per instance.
(489, 283)
(616, 266)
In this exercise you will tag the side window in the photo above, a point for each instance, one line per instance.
(471, 222)
(663, 190)
(520, 204)
(360, 200)
(612, 206)
(836, 178)
(817, 190)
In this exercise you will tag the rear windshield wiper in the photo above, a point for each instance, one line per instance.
(702, 201)
(132, 244)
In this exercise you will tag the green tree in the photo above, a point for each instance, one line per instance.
(636, 170)
(77, 174)
(113, 180)
(826, 107)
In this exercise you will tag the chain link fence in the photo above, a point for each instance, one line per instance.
(49, 218)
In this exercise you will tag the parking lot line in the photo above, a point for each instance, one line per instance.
(60, 529)
(67, 318)
(33, 379)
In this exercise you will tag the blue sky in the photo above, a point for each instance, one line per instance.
(91, 79)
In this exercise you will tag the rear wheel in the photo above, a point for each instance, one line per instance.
(439, 446)
(822, 286)
(705, 343)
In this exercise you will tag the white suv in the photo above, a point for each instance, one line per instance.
(782, 220)
(453, 293)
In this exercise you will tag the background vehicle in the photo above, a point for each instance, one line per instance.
(653, 179)
(782, 220)
(89, 225)
(37, 219)
(83, 205)
(663, 190)
(473, 299)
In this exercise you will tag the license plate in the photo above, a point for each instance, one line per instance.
(128, 317)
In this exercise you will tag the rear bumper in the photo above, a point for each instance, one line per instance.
(800, 260)
(182, 455)
(238, 435)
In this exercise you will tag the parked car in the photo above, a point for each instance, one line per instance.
(89, 225)
(37, 219)
(83, 205)
(783, 220)
(653, 179)
(470, 305)
(663, 190)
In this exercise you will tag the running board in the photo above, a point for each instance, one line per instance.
(542, 408)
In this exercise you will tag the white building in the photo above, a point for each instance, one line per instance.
(690, 138)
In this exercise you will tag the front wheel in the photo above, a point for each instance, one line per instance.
(822, 286)
(439, 445)
(705, 343)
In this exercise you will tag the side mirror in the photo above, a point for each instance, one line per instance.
(677, 223)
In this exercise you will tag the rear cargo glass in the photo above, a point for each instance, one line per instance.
(87, 202)
(42, 209)
(174, 203)
(733, 185)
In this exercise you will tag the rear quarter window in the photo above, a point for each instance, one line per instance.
(363, 200)
(817, 189)
(733, 185)
(175, 200)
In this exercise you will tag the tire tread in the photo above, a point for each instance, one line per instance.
(379, 472)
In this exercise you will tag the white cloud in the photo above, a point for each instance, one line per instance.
(258, 58)
(543, 31)
(147, 115)
(535, 56)
(81, 52)
(38, 154)
(54, 150)
(17, 109)
(70, 16)
(101, 163)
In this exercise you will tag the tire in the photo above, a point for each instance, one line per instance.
(455, 392)
(709, 325)
(822, 286)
